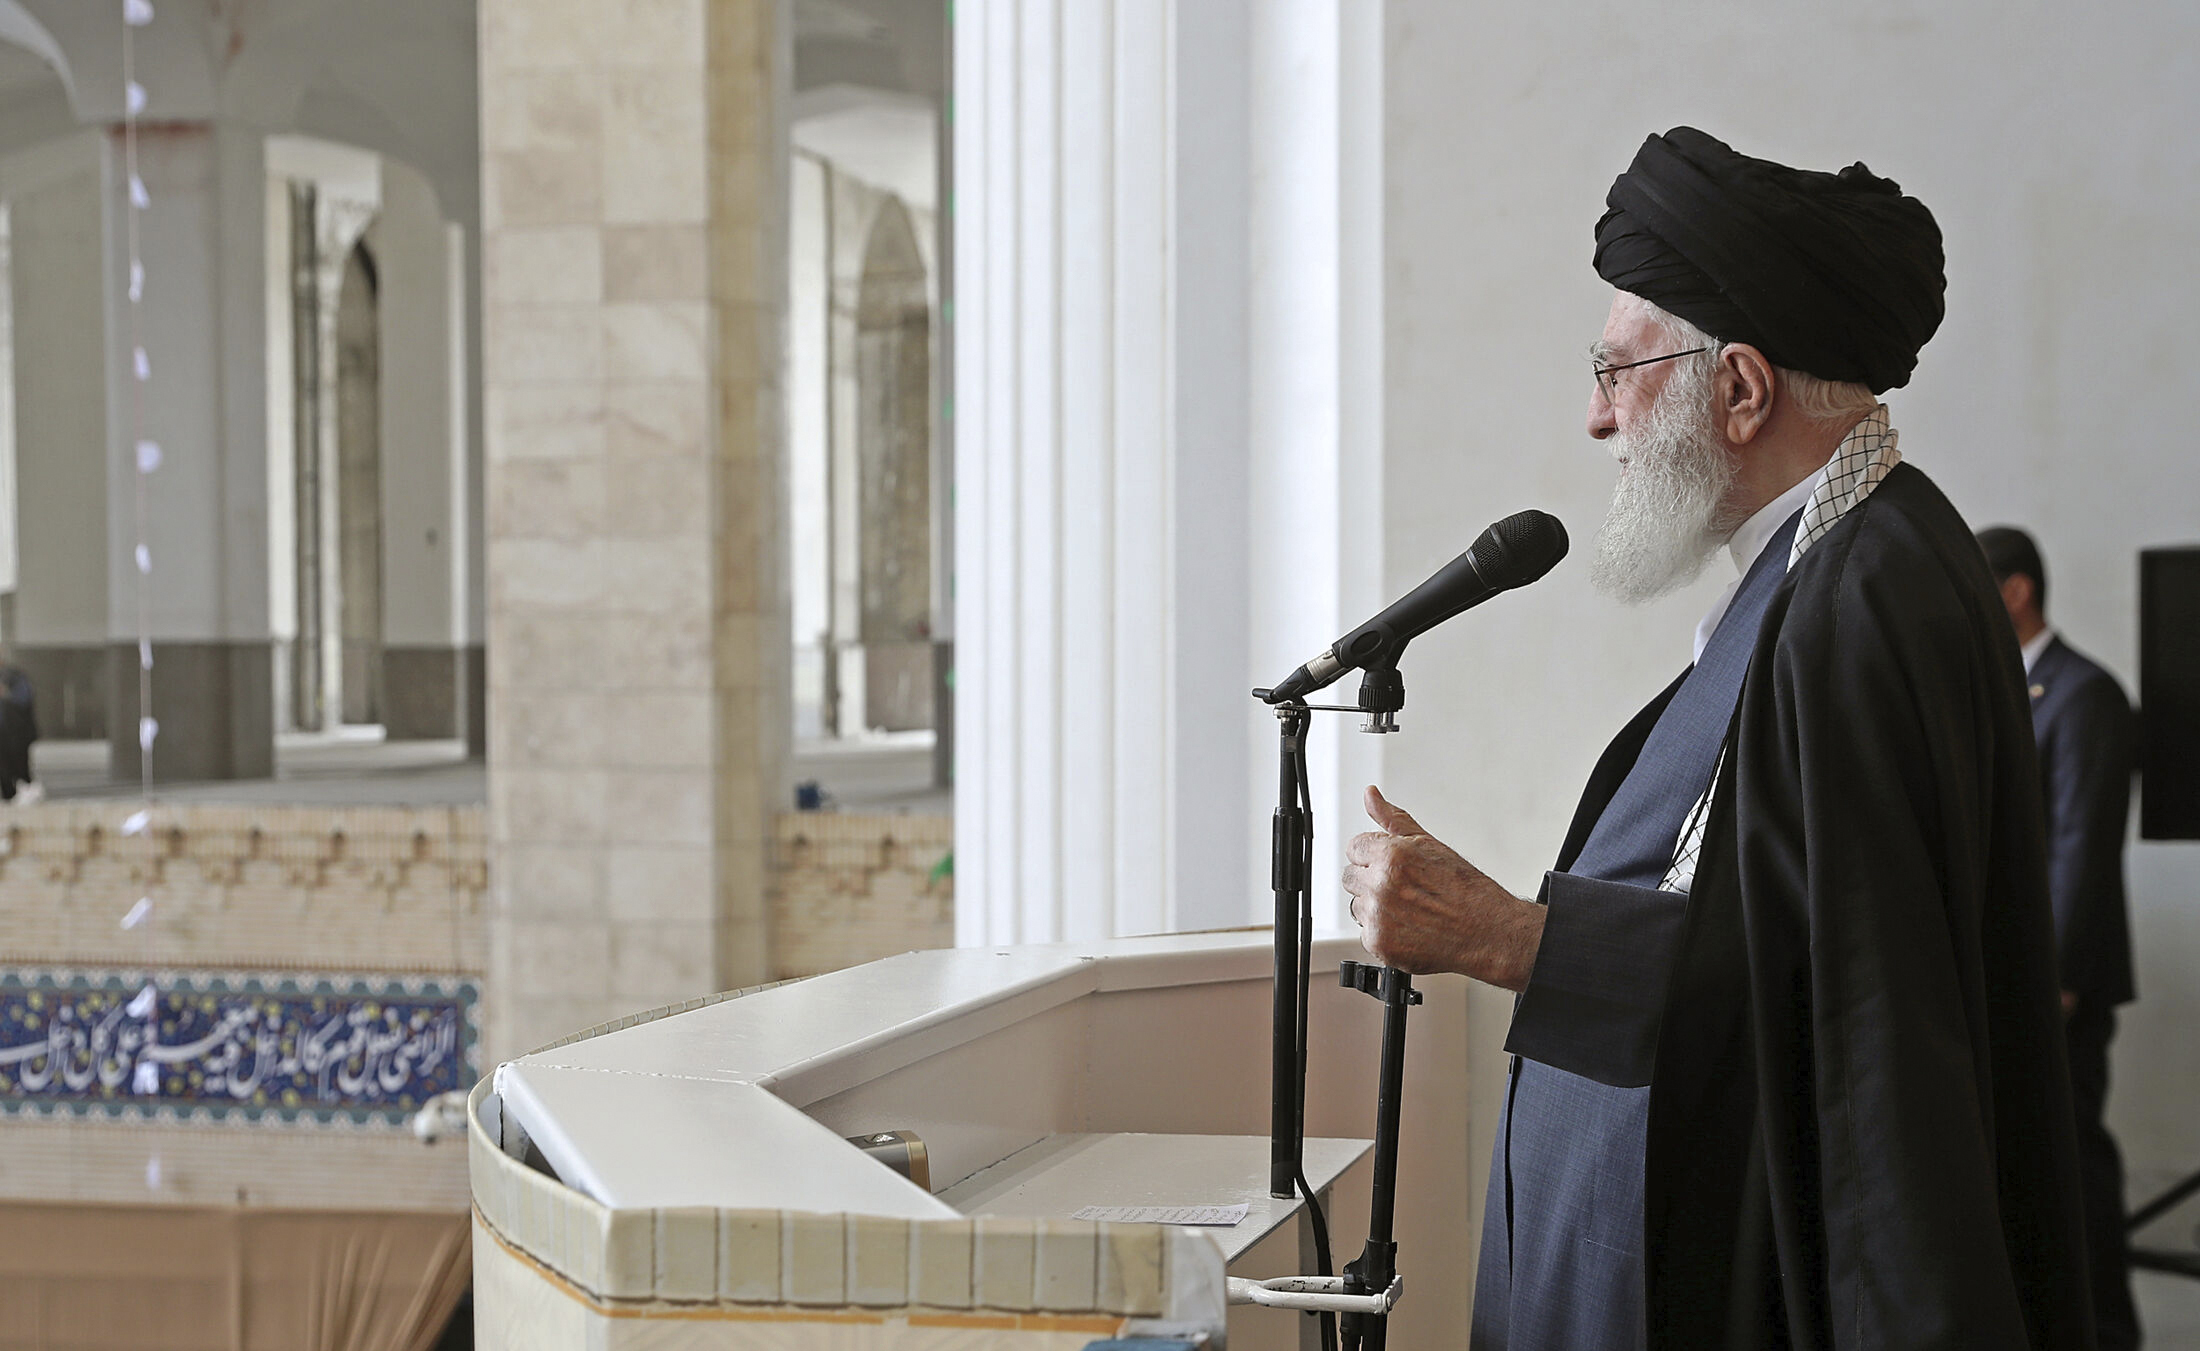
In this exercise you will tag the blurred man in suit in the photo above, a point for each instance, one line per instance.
(18, 729)
(2083, 725)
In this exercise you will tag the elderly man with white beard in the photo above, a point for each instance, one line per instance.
(1786, 1063)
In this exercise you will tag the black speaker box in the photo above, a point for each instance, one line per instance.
(2169, 693)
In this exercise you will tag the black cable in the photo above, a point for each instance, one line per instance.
(1314, 1213)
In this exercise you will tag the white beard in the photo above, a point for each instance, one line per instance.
(1668, 514)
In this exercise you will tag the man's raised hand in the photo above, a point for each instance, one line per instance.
(1422, 908)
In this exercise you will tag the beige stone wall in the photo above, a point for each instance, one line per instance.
(849, 888)
(167, 1163)
(396, 890)
(637, 653)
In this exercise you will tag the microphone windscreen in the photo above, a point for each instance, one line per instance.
(1520, 549)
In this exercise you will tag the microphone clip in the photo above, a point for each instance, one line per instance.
(1382, 694)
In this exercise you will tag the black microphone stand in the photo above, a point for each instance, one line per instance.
(1370, 1285)
(1377, 1265)
(1290, 862)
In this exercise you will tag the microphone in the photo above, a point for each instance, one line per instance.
(1511, 553)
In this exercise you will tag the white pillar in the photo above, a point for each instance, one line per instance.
(1155, 477)
(422, 498)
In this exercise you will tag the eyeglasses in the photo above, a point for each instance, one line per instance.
(1607, 375)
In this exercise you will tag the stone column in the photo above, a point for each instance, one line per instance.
(633, 166)
(57, 281)
(423, 464)
(202, 325)
(343, 208)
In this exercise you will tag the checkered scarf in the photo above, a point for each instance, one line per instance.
(1857, 466)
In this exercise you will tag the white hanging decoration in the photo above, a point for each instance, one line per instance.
(136, 14)
(152, 1173)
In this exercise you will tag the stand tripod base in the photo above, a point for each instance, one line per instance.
(1315, 1294)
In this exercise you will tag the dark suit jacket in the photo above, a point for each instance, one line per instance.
(2083, 725)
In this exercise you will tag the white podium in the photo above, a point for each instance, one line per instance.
(682, 1179)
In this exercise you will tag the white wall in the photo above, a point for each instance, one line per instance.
(2054, 148)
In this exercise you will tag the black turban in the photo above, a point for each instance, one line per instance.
(1836, 275)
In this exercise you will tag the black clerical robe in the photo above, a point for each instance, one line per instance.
(1859, 1129)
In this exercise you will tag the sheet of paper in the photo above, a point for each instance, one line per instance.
(1209, 1215)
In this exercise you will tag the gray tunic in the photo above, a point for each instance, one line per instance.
(1562, 1262)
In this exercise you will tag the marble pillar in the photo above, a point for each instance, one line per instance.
(633, 165)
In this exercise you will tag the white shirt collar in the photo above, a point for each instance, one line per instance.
(2038, 645)
(1756, 532)
(1748, 541)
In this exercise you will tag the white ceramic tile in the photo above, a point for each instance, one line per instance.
(878, 1261)
(629, 1254)
(686, 1253)
(940, 1256)
(1067, 1261)
(814, 1259)
(1132, 1263)
(749, 1253)
(1003, 1266)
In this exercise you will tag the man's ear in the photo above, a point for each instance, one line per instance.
(1746, 389)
